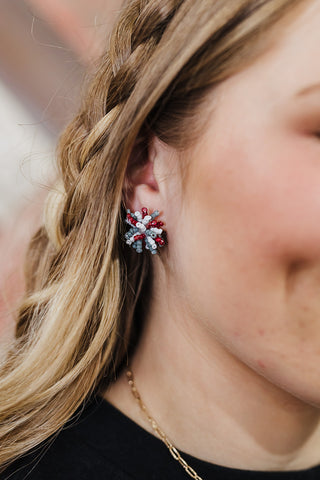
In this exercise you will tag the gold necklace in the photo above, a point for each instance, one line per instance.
(174, 452)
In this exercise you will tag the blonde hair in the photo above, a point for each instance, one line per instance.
(75, 324)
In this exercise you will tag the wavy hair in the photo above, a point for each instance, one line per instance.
(82, 311)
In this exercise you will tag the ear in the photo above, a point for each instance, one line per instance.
(141, 188)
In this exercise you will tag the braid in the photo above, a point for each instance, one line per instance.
(81, 143)
(132, 44)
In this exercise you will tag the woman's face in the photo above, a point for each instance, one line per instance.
(245, 246)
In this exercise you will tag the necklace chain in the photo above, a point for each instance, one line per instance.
(174, 452)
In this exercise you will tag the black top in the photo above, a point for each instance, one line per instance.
(102, 443)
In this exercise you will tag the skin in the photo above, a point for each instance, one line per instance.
(229, 359)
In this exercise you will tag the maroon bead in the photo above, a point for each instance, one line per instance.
(144, 211)
(132, 220)
(160, 241)
(140, 236)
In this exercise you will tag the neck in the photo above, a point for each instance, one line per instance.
(209, 403)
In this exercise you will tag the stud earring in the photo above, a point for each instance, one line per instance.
(145, 232)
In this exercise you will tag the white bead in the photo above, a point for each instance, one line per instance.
(146, 219)
(138, 215)
(156, 230)
(141, 227)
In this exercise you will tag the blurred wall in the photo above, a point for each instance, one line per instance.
(46, 46)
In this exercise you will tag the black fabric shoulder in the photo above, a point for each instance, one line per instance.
(77, 469)
(67, 456)
(100, 443)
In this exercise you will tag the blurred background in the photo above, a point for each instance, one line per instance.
(46, 47)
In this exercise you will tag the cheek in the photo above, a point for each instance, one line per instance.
(263, 204)
(231, 267)
(249, 216)
(246, 219)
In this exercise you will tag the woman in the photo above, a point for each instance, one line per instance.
(196, 335)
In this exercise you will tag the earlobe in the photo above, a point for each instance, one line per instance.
(140, 187)
(143, 190)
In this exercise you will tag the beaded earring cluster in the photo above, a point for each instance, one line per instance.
(145, 232)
